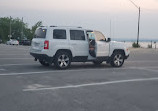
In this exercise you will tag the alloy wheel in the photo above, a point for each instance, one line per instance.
(63, 61)
(118, 60)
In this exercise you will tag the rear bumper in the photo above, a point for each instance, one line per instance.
(43, 57)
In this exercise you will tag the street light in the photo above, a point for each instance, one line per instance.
(10, 29)
(22, 30)
(138, 21)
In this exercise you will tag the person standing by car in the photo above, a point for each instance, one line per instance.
(91, 38)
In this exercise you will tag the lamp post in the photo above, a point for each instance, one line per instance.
(138, 21)
(155, 44)
(22, 30)
(10, 29)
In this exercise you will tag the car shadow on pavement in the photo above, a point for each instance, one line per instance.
(89, 66)
(74, 66)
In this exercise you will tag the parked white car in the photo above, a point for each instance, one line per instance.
(63, 45)
(12, 42)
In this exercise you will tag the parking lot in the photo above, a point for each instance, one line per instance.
(25, 85)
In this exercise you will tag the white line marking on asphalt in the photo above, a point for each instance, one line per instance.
(14, 58)
(13, 51)
(17, 64)
(93, 84)
(145, 69)
(56, 71)
(15, 54)
(76, 70)
(142, 61)
(27, 73)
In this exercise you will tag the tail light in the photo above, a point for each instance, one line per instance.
(46, 44)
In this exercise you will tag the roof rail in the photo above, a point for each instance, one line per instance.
(53, 26)
(66, 26)
(42, 26)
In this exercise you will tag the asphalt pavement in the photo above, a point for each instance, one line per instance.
(25, 85)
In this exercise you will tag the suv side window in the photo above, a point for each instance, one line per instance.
(59, 34)
(77, 35)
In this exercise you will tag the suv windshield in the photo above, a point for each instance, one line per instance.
(40, 33)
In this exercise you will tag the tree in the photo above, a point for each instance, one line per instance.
(34, 27)
(17, 26)
(4, 28)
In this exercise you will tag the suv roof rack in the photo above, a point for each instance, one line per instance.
(53, 26)
(42, 26)
(65, 26)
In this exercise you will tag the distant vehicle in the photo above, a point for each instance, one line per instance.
(12, 42)
(0, 41)
(63, 45)
(25, 42)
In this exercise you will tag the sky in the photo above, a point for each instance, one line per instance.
(117, 19)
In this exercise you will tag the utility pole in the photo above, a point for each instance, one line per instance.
(138, 27)
(10, 29)
(22, 30)
(138, 20)
(155, 44)
(110, 28)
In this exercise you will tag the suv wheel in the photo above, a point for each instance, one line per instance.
(44, 63)
(117, 59)
(62, 60)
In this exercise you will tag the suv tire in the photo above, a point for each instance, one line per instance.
(117, 59)
(62, 60)
(44, 63)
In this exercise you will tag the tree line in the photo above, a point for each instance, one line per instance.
(19, 30)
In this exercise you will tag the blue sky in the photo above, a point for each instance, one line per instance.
(91, 14)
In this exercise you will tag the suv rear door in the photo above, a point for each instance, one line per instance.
(78, 42)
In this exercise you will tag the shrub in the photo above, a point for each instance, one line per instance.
(149, 46)
(135, 45)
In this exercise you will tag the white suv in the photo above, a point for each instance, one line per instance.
(63, 45)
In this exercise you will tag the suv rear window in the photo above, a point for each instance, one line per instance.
(40, 33)
(77, 35)
(59, 34)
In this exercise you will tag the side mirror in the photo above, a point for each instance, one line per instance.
(109, 39)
